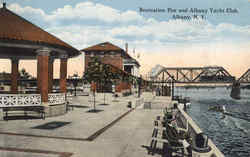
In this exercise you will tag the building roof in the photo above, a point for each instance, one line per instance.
(106, 46)
(14, 28)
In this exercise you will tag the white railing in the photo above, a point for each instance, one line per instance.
(56, 98)
(7, 100)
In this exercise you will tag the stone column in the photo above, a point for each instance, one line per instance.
(43, 73)
(14, 75)
(63, 73)
(51, 62)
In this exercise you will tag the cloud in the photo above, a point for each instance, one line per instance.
(81, 11)
(96, 11)
(133, 26)
(168, 38)
(26, 10)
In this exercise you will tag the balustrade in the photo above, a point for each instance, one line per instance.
(8, 100)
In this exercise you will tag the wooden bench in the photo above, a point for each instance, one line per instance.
(174, 139)
(38, 109)
(157, 141)
(177, 136)
(165, 132)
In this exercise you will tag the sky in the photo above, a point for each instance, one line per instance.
(218, 35)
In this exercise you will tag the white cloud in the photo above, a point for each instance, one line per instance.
(145, 34)
(169, 41)
(83, 36)
(89, 10)
(26, 10)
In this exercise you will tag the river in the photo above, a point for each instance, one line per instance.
(231, 134)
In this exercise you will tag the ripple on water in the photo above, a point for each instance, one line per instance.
(231, 134)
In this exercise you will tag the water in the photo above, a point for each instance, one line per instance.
(230, 134)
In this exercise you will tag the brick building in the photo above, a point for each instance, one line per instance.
(116, 56)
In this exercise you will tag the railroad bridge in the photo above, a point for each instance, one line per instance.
(209, 74)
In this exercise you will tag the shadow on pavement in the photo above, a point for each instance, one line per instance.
(104, 104)
(152, 151)
(51, 125)
(79, 106)
(94, 111)
(21, 117)
(165, 151)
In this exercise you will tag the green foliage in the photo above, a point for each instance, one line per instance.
(102, 73)
(23, 74)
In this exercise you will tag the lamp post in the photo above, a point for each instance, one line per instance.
(75, 81)
(139, 86)
(172, 84)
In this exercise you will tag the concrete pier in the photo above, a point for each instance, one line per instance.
(114, 130)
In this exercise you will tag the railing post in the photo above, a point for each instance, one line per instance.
(1, 114)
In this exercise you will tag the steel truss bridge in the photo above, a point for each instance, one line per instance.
(210, 74)
(245, 78)
(185, 75)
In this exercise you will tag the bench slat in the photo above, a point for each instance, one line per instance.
(38, 109)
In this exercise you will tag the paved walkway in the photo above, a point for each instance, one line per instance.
(68, 135)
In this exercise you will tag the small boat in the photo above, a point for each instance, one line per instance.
(218, 108)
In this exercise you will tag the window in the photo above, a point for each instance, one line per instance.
(102, 54)
(112, 53)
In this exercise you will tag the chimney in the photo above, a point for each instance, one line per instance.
(4, 5)
(126, 47)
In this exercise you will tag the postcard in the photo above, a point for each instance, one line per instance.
(124, 78)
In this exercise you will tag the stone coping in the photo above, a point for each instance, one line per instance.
(194, 129)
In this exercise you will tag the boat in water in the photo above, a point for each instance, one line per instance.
(218, 108)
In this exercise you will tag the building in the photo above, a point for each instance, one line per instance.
(116, 56)
(23, 40)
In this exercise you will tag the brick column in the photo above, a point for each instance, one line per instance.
(43, 73)
(14, 75)
(63, 73)
(51, 62)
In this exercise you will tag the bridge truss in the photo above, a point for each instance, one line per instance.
(213, 74)
(245, 78)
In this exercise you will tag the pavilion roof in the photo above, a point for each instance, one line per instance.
(15, 29)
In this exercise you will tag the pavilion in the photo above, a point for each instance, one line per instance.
(22, 40)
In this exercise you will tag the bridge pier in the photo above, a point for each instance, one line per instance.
(235, 91)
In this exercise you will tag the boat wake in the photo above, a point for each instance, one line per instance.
(238, 115)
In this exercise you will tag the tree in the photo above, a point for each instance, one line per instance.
(24, 75)
(75, 81)
(93, 74)
(101, 74)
